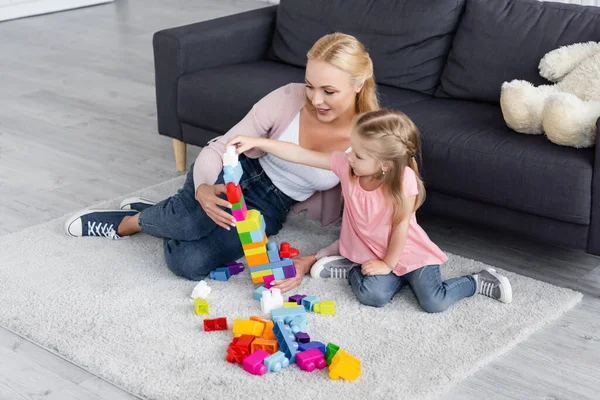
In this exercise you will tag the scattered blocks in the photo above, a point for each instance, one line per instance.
(313, 345)
(295, 317)
(345, 366)
(258, 292)
(235, 267)
(200, 306)
(325, 307)
(202, 290)
(247, 327)
(310, 359)
(297, 298)
(220, 274)
(302, 337)
(216, 324)
(330, 352)
(276, 362)
(254, 363)
(309, 302)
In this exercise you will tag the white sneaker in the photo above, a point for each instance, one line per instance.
(332, 267)
(136, 203)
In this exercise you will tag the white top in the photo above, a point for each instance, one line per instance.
(296, 180)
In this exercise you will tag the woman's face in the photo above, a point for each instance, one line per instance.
(330, 90)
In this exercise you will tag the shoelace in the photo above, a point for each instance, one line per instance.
(102, 229)
(487, 288)
(339, 273)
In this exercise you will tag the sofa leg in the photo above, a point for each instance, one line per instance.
(179, 148)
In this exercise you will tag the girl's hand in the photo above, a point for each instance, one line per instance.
(208, 197)
(375, 267)
(303, 265)
(242, 143)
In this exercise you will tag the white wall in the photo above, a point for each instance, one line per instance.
(11, 9)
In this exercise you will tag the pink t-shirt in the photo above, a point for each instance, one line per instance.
(366, 224)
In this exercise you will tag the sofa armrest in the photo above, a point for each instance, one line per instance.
(223, 41)
(593, 246)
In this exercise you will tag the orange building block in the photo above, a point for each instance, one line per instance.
(256, 245)
(247, 327)
(268, 332)
(258, 259)
(268, 345)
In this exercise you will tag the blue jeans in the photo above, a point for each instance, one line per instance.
(426, 282)
(194, 244)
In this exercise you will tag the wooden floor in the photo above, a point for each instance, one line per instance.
(78, 125)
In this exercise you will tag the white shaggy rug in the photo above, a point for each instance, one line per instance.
(115, 309)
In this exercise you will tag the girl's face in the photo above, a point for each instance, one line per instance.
(362, 163)
(330, 90)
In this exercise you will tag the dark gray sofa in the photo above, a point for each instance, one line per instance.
(441, 62)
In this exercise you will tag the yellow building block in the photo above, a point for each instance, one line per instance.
(247, 327)
(325, 307)
(251, 223)
(258, 259)
(344, 366)
(256, 245)
(257, 251)
(200, 306)
(260, 274)
(290, 304)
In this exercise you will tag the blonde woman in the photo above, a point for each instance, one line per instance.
(316, 115)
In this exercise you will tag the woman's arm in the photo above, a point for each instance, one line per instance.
(284, 150)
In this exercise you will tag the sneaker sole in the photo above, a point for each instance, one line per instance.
(126, 204)
(315, 270)
(506, 294)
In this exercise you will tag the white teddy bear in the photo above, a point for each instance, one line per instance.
(566, 111)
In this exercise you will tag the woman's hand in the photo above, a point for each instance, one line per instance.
(375, 267)
(303, 265)
(208, 197)
(243, 143)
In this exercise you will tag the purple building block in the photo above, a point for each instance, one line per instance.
(289, 271)
(234, 267)
(297, 298)
(302, 337)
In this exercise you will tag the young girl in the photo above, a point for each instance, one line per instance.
(381, 245)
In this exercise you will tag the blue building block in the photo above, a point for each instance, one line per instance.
(232, 174)
(258, 292)
(278, 273)
(298, 324)
(312, 345)
(259, 234)
(273, 252)
(220, 274)
(309, 302)
(295, 317)
(286, 339)
(276, 361)
(279, 264)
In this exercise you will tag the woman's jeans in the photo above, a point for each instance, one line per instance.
(194, 244)
(426, 282)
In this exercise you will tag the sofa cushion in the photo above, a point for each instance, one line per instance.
(468, 152)
(216, 99)
(502, 40)
(408, 40)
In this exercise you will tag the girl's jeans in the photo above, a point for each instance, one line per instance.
(194, 244)
(426, 282)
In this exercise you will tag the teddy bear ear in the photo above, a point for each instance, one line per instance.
(558, 63)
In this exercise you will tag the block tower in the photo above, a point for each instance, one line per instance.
(265, 260)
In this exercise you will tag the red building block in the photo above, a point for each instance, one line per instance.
(285, 251)
(234, 193)
(239, 349)
(215, 324)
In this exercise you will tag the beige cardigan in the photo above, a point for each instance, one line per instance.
(269, 117)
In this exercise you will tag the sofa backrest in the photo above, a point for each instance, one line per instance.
(502, 40)
(408, 40)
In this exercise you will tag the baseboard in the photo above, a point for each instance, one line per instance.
(26, 8)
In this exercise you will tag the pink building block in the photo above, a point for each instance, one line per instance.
(240, 214)
(268, 280)
(310, 359)
(254, 363)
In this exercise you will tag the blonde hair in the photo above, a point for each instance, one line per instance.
(348, 54)
(392, 138)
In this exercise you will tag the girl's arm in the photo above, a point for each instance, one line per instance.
(284, 150)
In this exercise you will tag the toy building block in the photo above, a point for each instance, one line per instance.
(309, 302)
(285, 251)
(247, 327)
(234, 267)
(271, 300)
(256, 251)
(200, 306)
(256, 245)
(254, 363)
(220, 274)
(345, 366)
(278, 273)
(259, 276)
(289, 304)
(276, 362)
(239, 204)
(257, 235)
(310, 359)
(297, 298)
(245, 237)
(233, 193)
(289, 271)
(258, 292)
(239, 348)
(215, 324)
(313, 345)
(330, 352)
(240, 213)
(295, 317)
(268, 345)
(268, 332)
(273, 252)
(257, 259)
(325, 307)
(302, 337)
(272, 265)
(268, 280)
(232, 174)
(202, 290)
(259, 319)
(251, 223)
(286, 340)
(230, 157)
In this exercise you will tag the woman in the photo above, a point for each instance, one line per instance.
(318, 116)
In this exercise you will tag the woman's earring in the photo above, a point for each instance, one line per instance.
(383, 172)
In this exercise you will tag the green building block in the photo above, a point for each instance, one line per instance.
(330, 351)
(245, 237)
(239, 205)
